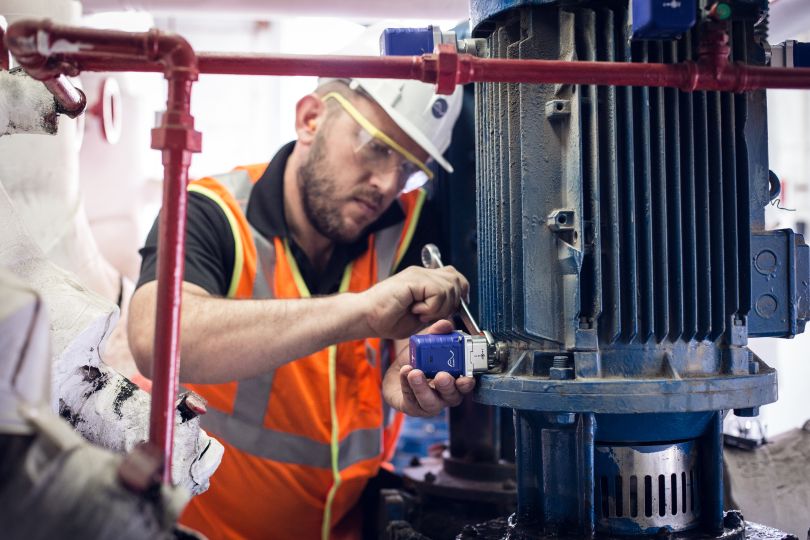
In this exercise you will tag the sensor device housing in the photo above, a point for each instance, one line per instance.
(457, 353)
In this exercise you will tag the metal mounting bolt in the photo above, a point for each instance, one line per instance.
(560, 361)
(561, 368)
(473, 46)
(500, 355)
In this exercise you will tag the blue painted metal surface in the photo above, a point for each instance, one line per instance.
(650, 428)
(483, 10)
(801, 54)
(662, 19)
(657, 285)
(619, 396)
(406, 41)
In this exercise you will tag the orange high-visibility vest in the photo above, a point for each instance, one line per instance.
(301, 441)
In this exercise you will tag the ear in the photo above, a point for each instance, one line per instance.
(309, 112)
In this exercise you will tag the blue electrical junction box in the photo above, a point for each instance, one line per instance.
(662, 19)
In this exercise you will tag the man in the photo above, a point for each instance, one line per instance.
(299, 416)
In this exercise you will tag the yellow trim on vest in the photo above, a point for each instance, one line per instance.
(335, 436)
(239, 253)
(326, 526)
(406, 240)
(303, 290)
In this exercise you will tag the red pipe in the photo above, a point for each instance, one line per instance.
(463, 68)
(177, 140)
(71, 100)
(23, 41)
(48, 52)
(4, 54)
(712, 72)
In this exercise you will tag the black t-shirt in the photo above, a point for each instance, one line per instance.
(210, 246)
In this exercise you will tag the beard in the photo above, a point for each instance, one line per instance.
(319, 196)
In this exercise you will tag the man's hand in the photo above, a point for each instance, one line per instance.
(405, 303)
(415, 396)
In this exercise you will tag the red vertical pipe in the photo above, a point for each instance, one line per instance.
(167, 320)
(5, 58)
(171, 251)
(177, 140)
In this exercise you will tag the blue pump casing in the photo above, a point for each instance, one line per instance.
(625, 324)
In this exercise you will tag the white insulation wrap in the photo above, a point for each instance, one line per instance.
(41, 175)
(101, 404)
(25, 370)
(26, 106)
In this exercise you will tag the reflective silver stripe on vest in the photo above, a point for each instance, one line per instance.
(386, 242)
(252, 397)
(359, 445)
(238, 183)
(265, 266)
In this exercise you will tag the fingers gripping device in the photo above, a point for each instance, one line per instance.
(457, 353)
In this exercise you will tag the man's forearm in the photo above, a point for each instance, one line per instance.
(224, 340)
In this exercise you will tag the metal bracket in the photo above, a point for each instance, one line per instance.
(557, 109)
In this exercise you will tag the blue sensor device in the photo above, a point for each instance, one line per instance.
(457, 353)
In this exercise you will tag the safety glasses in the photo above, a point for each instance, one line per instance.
(379, 153)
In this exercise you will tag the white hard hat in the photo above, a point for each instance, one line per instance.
(425, 116)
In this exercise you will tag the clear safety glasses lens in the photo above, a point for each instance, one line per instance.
(375, 155)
